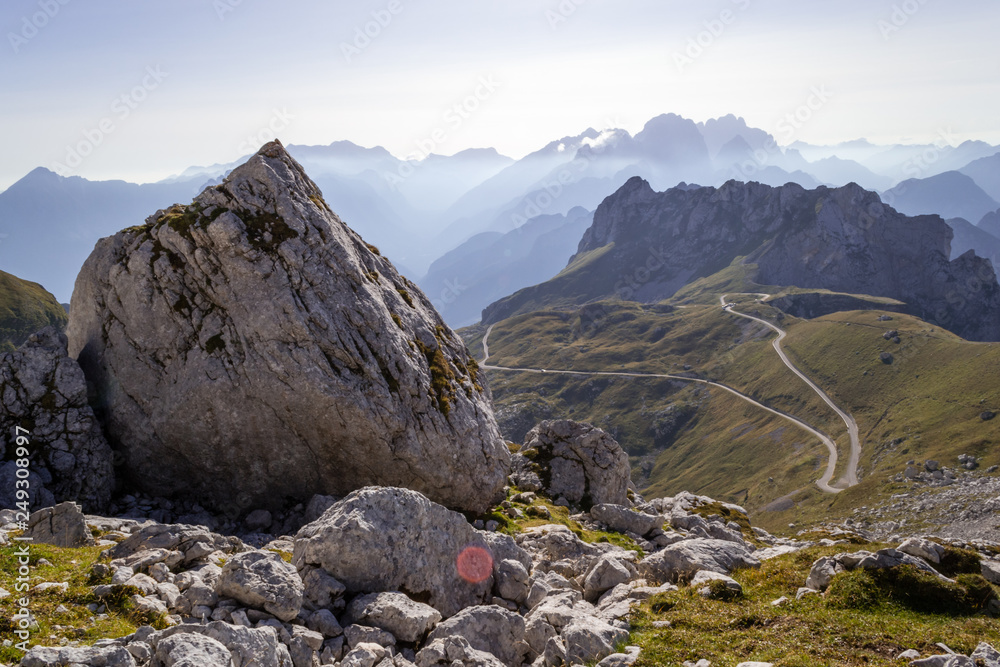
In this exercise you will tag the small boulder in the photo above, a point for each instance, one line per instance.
(406, 620)
(923, 548)
(991, 571)
(382, 539)
(702, 582)
(190, 650)
(455, 650)
(262, 580)
(589, 639)
(622, 519)
(104, 656)
(607, 572)
(491, 629)
(684, 559)
(578, 462)
(62, 526)
(989, 656)
(260, 646)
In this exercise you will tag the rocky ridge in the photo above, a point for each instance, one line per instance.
(250, 350)
(645, 246)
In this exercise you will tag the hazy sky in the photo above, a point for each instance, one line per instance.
(148, 88)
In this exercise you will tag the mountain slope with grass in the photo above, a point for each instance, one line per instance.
(927, 396)
(24, 309)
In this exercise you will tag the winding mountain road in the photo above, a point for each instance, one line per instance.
(850, 477)
(823, 483)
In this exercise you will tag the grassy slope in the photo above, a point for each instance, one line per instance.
(812, 632)
(926, 405)
(931, 397)
(729, 450)
(24, 309)
(76, 623)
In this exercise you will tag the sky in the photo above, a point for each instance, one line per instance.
(141, 90)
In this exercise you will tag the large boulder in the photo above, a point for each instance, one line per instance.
(578, 462)
(385, 539)
(250, 348)
(44, 392)
(683, 560)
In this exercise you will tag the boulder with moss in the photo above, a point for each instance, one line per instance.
(573, 461)
(250, 348)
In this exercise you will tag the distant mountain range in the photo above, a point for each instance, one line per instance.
(419, 211)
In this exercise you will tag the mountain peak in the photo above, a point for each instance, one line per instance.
(269, 182)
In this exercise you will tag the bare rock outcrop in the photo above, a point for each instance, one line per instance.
(574, 461)
(44, 392)
(250, 348)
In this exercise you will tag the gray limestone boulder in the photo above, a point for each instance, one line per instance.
(455, 651)
(407, 620)
(608, 571)
(250, 347)
(491, 629)
(191, 650)
(262, 580)
(104, 656)
(44, 391)
(589, 639)
(191, 542)
(578, 462)
(624, 520)
(384, 539)
(260, 647)
(683, 560)
(63, 526)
